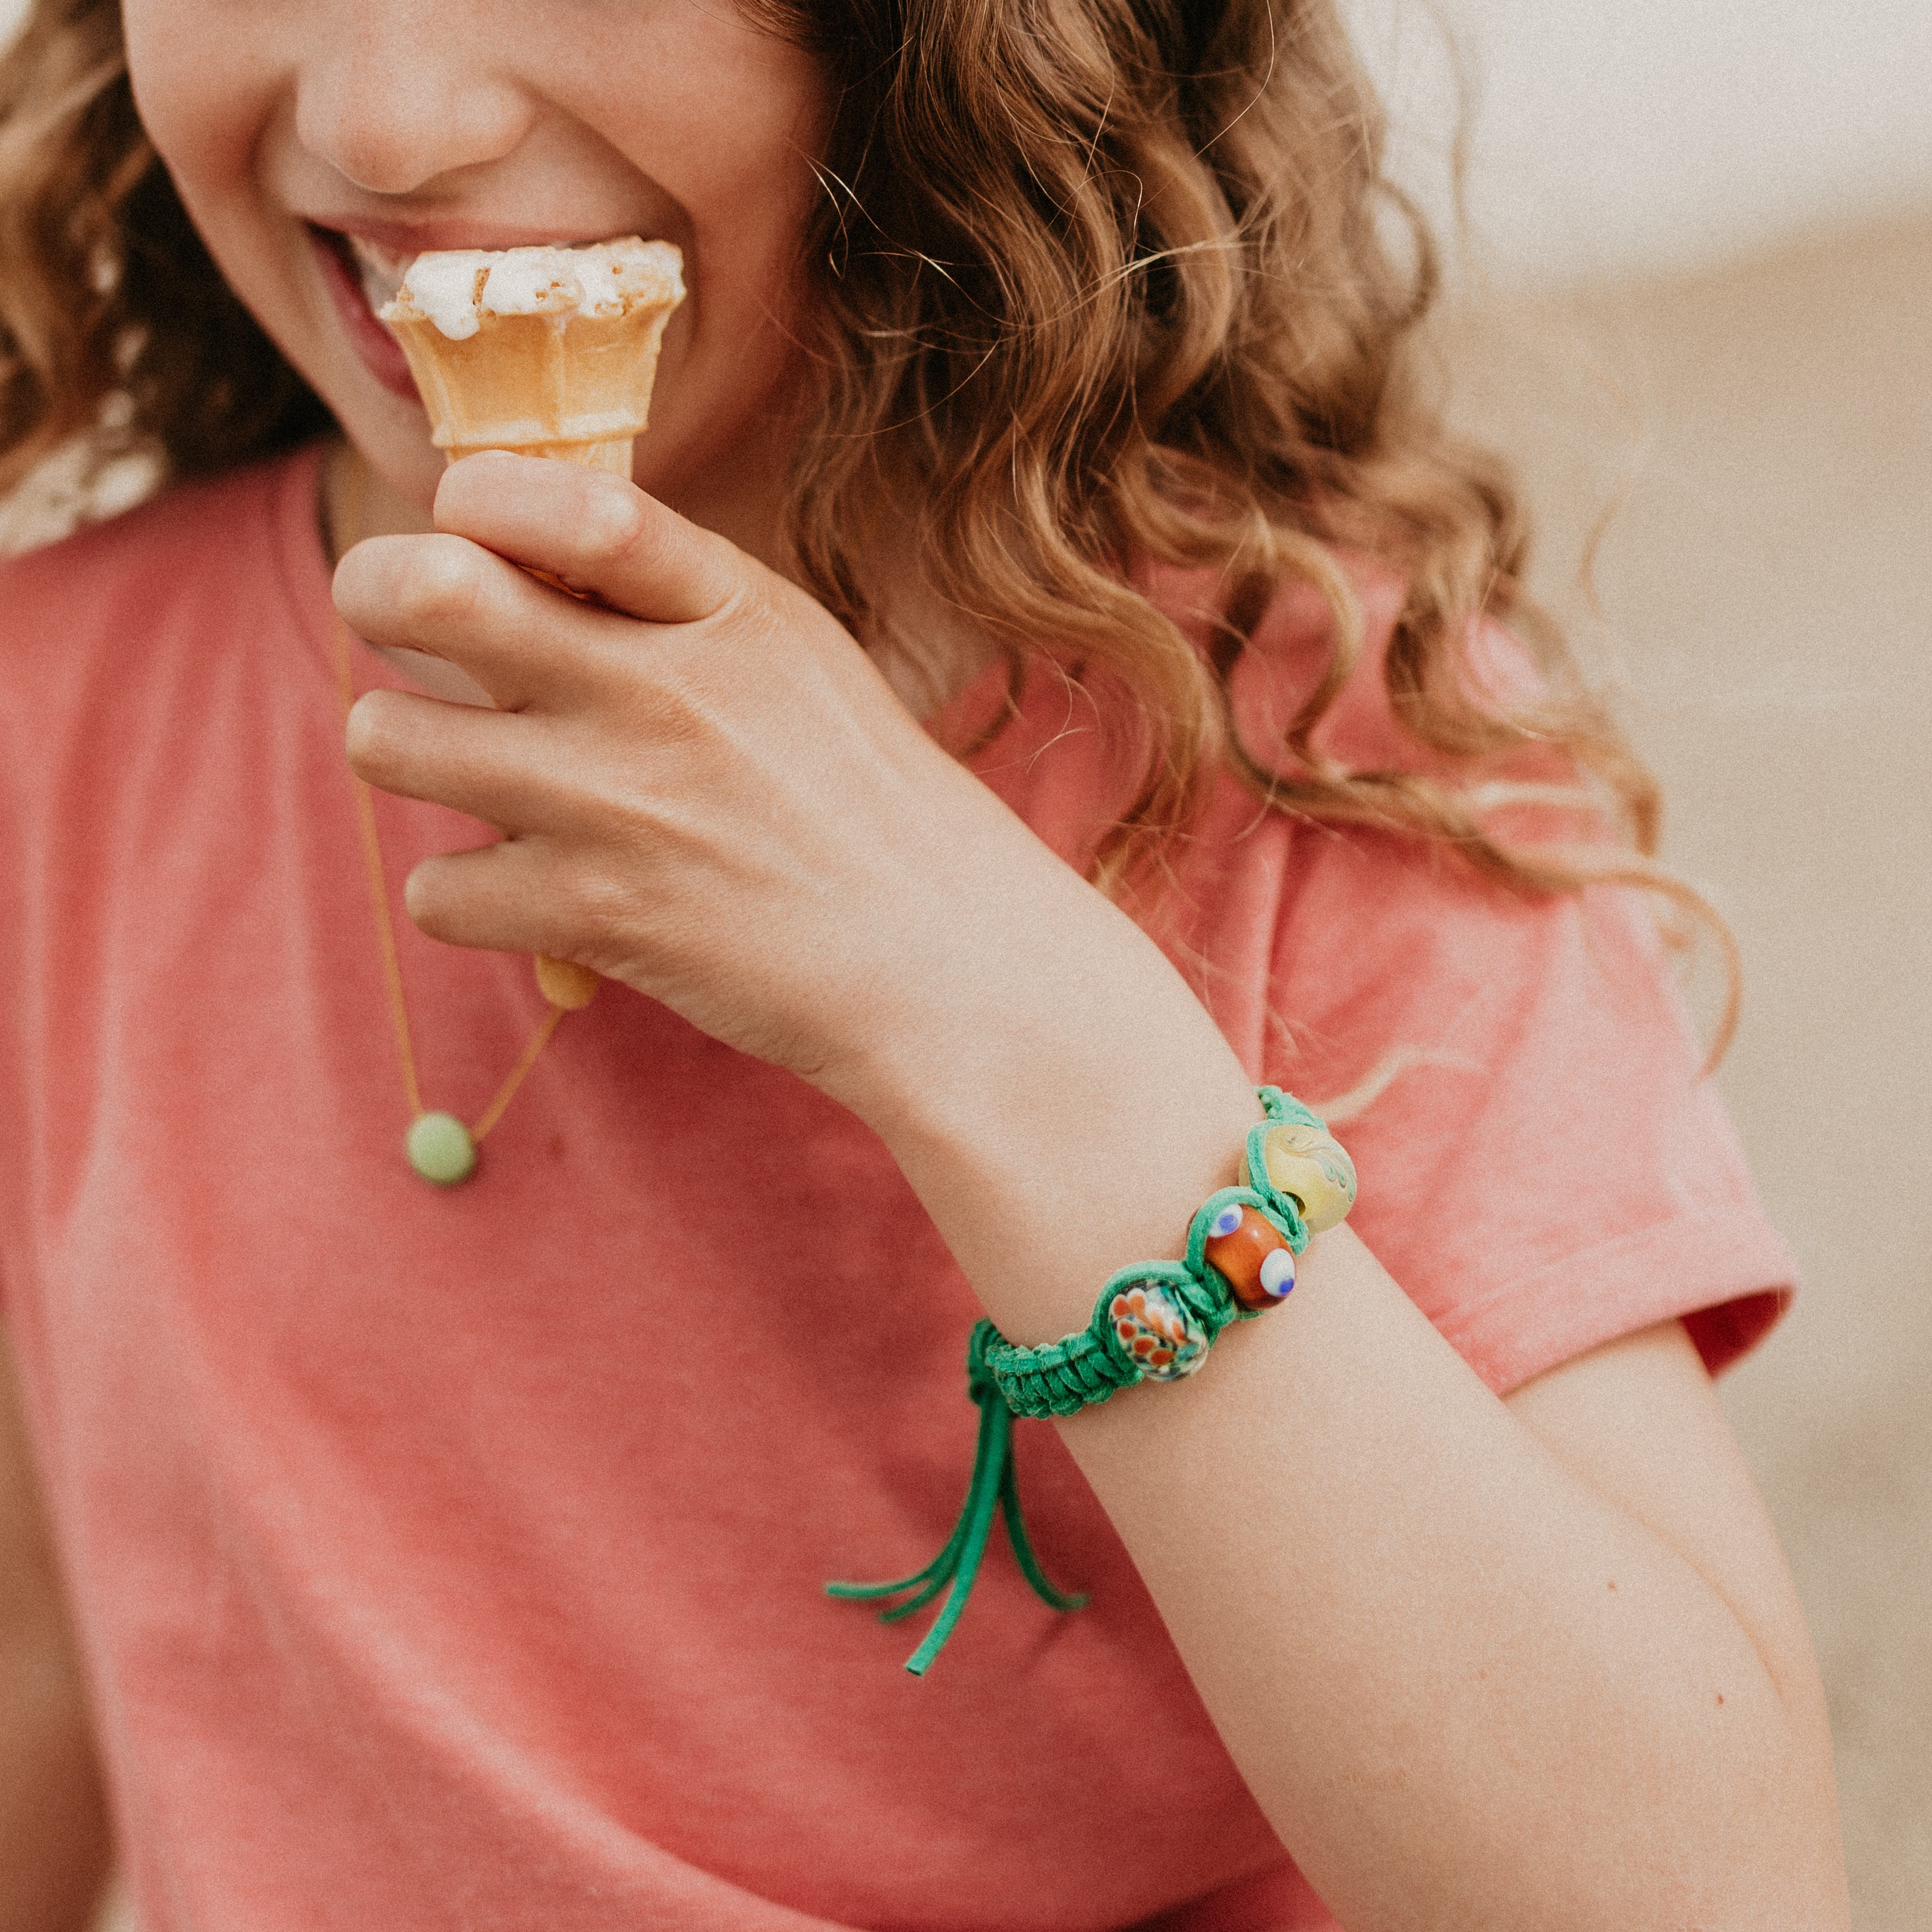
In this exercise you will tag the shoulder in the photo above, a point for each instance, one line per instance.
(196, 559)
(113, 638)
(181, 542)
(1544, 1166)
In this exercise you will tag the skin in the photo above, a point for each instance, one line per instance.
(378, 117)
(1484, 1663)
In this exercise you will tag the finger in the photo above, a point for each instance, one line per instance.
(484, 764)
(515, 896)
(519, 639)
(602, 535)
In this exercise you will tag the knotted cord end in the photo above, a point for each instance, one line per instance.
(993, 1486)
(1153, 1321)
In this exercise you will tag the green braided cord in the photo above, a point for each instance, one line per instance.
(938, 1573)
(1279, 1106)
(1063, 1377)
(1016, 1535)
(992, 1487)
(989, 1468)
(940, 1567)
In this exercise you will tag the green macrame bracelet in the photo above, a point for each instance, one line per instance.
(1155, 1320)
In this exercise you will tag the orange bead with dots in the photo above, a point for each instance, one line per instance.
(1253, 1255)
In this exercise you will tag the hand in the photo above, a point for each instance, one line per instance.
(707, 790)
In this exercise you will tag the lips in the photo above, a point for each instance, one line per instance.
(361, 275)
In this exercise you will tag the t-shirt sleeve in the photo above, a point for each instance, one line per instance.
(1547, 1169)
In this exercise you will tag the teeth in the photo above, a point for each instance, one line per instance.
(381, 270)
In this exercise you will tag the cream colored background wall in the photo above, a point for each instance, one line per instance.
(1764, 595)
(1621, 136)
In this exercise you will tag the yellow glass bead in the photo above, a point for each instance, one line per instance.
(565, 984)
(441, 1150)
(1313, 1166)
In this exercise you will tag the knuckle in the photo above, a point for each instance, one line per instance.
(593, 906)
(613, 522)
(751, 606)
(601, 903)
(443, 585)
(366, 734)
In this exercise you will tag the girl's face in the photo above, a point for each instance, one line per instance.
(319, 145)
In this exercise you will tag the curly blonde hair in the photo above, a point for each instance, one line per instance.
(1100, 282)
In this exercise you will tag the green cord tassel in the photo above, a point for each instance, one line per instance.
(993, 1486)
(1154, 1320)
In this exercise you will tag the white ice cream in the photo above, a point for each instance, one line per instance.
(456, 288)
(445, 286)
(530, 281)
(380, 271)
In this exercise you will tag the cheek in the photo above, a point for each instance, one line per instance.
(736, 124)
(753, 144)
(202, 96)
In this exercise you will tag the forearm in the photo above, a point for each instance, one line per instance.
(1466, 1687)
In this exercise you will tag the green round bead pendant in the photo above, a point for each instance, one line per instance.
(440, 1149)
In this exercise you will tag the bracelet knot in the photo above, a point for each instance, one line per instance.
(1153, 1322)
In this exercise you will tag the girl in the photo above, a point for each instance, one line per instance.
(1044, 680)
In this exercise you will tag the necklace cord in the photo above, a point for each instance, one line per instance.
(379, 887)
(492, 1114)
(379, 892)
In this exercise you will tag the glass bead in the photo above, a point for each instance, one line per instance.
(440, 1149)
(1243, 1253)
(1313, 1167)
(1277, 1275)
(564, 983)
(1161, 1339)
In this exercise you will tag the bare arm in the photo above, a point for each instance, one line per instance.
(1484, 1666)
(1493, 1677)
(55, 1847)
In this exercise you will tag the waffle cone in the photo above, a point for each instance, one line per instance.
(568, 374)
(565, 381)
(613, 454)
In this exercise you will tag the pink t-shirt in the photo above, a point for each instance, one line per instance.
(453, 1559)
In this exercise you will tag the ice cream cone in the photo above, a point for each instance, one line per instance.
(547, 352)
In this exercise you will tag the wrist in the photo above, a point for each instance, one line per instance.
(1152, 1320)
(1060, 1101)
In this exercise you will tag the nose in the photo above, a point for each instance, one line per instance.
(398, 94)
